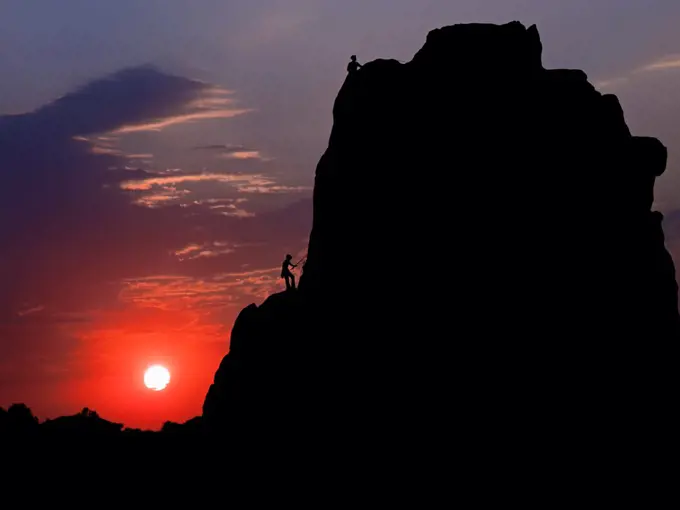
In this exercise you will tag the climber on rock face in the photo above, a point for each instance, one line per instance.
(285, 272)
(353, 66)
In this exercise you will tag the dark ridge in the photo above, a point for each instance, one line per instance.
(483, 258)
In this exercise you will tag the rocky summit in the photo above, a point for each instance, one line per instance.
(484, 259)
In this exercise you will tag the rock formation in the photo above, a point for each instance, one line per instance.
(484, 255)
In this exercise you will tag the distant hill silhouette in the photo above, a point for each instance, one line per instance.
(484, 258)
(19, 420)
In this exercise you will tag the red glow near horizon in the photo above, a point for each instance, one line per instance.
(118, 349)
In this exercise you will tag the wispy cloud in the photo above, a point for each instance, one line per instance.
(607, 84)
(178, 292)
(217, 147)
(158, 125)
(98, 149)
(234, 151)
(195, 251)
(209, 104)
(231, 209)
(270, 188)
(663, 63)
(147, 184)
(29, 311)
(219, 203)
(243, 155)
(239, 213)
(167, 188)
(165, 195)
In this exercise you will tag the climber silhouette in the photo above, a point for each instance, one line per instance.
(353, 66)
(285, 272)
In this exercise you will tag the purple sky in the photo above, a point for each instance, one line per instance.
(286, 58)
(144, 206)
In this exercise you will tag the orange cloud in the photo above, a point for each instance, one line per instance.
(167, 194)
(100, 149)
(605, 84)
(242, 155)
(243, 183)
(266, 189)
(169, 292)
(196, 251)
(239, 213)
(188, 249)
(181, 119)
(211, 104)
(665, 62)
(147, 184)
(29, 311)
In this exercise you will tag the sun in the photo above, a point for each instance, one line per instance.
(156, 377)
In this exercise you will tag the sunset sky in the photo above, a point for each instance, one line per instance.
(157, 160)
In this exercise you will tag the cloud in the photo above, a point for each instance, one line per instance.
(208, 102)
(133, 96)
(238, 213)
(164, 188)
(166, 195)
(98, 149)
(243, 155)
(158, 125)
(663, 63)
(35, 309)
(147, 184)
(188, 249)
(270, 187)
(238, 152)
(214, 249)
(612, 83)
(218, 147)
(176, 292)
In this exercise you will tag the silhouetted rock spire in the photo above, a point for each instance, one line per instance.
(511, 270)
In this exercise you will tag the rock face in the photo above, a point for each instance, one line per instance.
(483, 251)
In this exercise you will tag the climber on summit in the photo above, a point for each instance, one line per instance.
(285, 272)
(353, 66)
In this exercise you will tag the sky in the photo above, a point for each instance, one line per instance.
(158, 157)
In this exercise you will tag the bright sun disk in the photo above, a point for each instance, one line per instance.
(156, 377)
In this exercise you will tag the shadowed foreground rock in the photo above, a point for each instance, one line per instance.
(509, 280)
